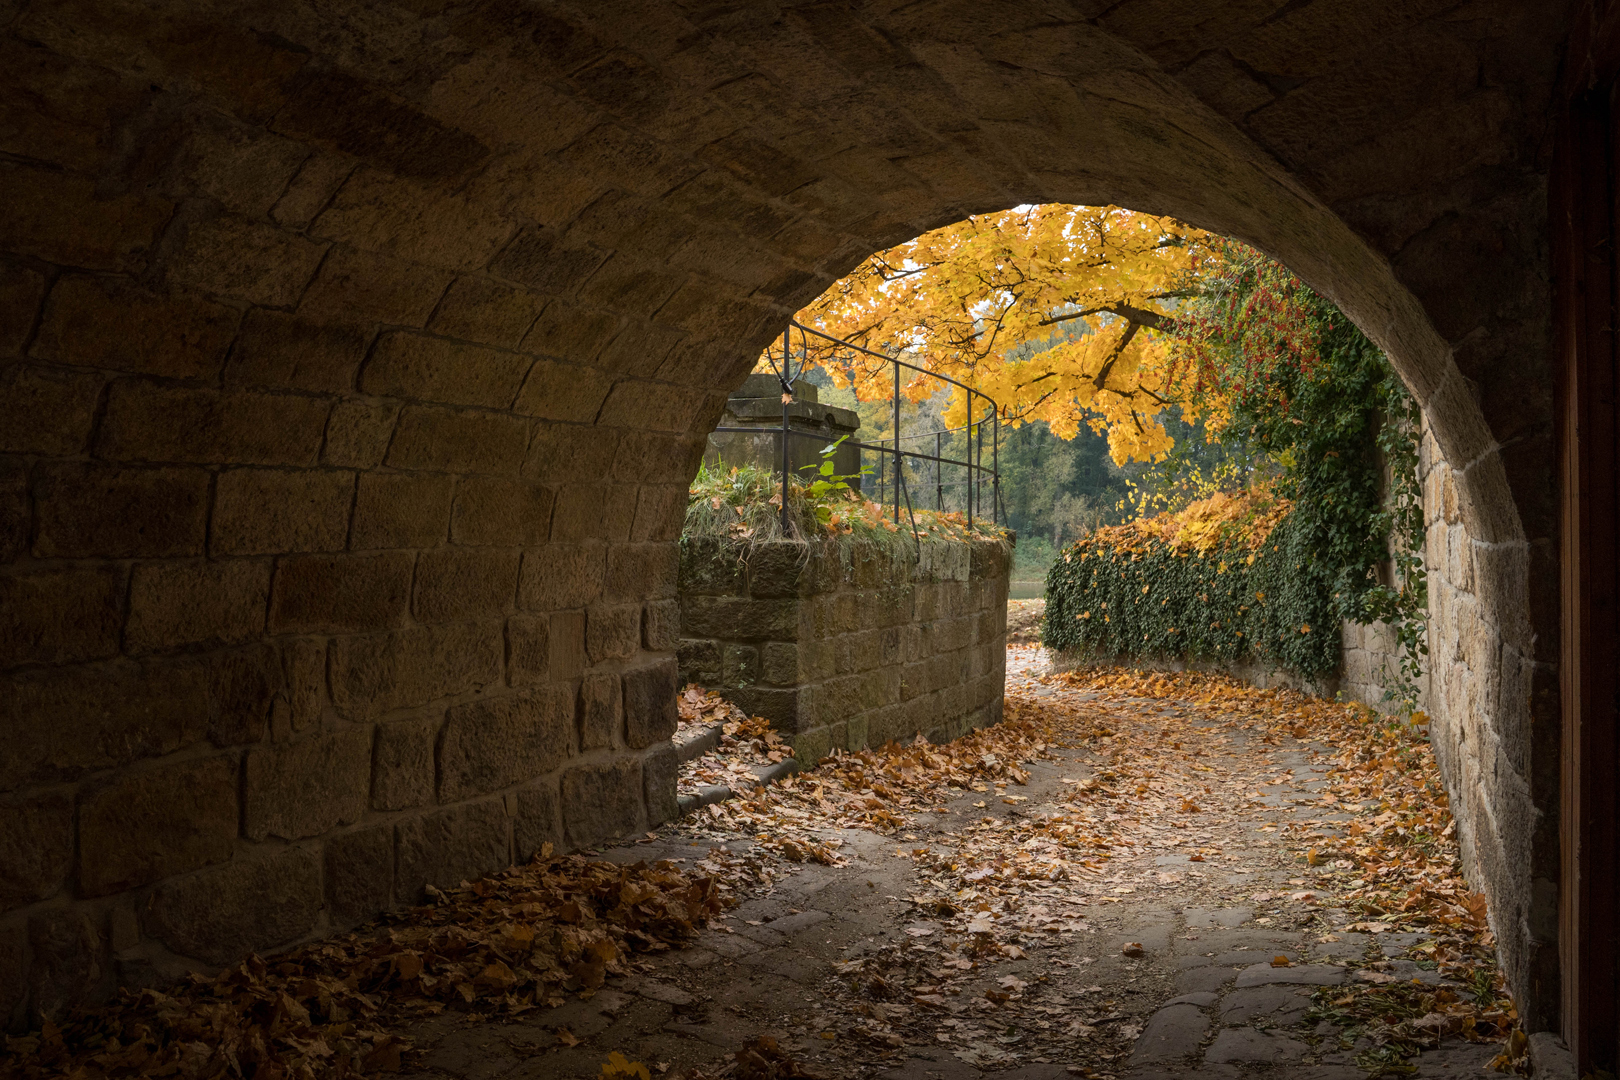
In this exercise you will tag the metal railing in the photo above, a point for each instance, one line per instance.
(975, 472)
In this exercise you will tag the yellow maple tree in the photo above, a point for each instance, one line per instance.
(1058, 313)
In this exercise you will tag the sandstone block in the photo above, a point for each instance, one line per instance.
(376, 673)
(567, 392)
(154, 423)
(304, 670)
(777, 571)
(731, 618)
(499, 512)
(699, 660)
(78, 720)
(660, 510)
(661, 626)
(62, 218)
(16, 515)
(146, 826)
(306, 787)
(86, 509)
(359, 873)
(246, 260)
(601, 710)
(561, 576)
(109, 323)
(459, 582)
(242, 684)
(247, 905)
(658, 769)
(566, 634)
(446, 847)
(36, 847)
(642, 571)
(496, 743)
(402, 772)
(400, 510)
(271, 511)
(287, 352)
(357, 433)
(587, 512)
(649, 702)
(528, 650)
(361, 287)
(14, 972)
(422, 367)
(480, 309)
(612, 631)
(566, 329)
(601, 802)
(559, 453)
(539, 820)
(172, 605)
(22, 290)
(46, 410)
(389, 208)
(739, 664)
(437, 439)
(68, 961)
(341, 593)
(779, 663)
(60, 616)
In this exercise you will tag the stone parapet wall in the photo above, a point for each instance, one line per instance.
(848, 645)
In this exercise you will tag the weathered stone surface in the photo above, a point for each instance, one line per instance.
(274, 349)
(172, 605)
(601, 802)
(108, 323)
(46, 410)
(271, 511)
(539, 819)
(448, 846)
(376, 673)
(612, 631)
(1279, 1005)
(661, 626)
(36, 846)
(1246, 1045)
(601, 710)
(60, 616)
(426, 368)
(562, 576)
(146, 826)
(528, 650)
(1299, 974)
(650, 715)
(1172, 1033)
(658, 769)
(565, 634)
(101, 510)
(255, 904)
(68, 955)
(493, 744)
(400, 510)
(403, 763)
(359, 873)
(460, 583)
(357, 433)
(341, 593)
(306, 787)
(15, 973)
(501, 512)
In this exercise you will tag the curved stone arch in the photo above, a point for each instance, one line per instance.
(359, 357)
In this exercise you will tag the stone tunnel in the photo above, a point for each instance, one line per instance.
(356, 357)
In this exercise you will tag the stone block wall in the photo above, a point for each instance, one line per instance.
(845, 645)
(250, 701)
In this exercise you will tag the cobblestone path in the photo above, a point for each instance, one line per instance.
(1193, 955)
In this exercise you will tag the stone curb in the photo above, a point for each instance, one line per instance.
(698, 745)
(714, 793)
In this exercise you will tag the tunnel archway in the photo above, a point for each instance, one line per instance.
(356, 363)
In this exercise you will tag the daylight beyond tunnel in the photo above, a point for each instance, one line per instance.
(357, 360)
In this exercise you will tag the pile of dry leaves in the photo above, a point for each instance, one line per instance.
(503, 944)
(874, 789)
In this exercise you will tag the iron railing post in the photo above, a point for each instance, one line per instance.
(897, 477)
(939, 472)
(787, 397)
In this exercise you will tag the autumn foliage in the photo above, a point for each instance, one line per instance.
(974, 299)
